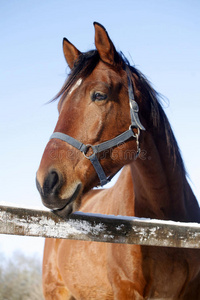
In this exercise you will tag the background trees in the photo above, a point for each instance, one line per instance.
(20, 277)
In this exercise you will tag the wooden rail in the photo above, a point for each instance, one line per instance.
(99, 228)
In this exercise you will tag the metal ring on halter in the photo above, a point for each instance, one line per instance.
(86, 150)
(131, 128)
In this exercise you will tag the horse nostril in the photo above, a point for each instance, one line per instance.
(51, 184)
(49, 188)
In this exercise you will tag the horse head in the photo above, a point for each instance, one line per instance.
(98, 125)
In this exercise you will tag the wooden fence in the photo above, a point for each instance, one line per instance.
(99, 228)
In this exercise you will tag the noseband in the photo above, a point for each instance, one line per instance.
(135, 123)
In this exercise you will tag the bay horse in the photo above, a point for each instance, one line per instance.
(110, 117)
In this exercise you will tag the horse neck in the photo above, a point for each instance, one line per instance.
(160, 186)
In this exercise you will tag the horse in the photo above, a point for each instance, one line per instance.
(111, 118)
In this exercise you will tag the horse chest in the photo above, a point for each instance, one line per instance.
(83, 268)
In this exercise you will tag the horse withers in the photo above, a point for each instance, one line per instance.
(110, 117)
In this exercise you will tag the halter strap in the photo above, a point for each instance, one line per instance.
(96, 149)
(135, 123)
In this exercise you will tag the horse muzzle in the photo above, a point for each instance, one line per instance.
(53, 193)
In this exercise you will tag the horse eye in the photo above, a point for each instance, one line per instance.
(97, 96)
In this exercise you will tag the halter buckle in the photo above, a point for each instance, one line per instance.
(137, 136)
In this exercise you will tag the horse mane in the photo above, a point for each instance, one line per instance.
(158, 122)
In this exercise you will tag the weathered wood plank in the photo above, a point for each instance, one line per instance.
(100, 228)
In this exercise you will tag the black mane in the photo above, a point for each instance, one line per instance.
(158, 120)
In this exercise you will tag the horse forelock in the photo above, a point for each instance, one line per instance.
(82, 68)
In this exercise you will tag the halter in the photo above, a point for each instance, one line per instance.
(135, 123)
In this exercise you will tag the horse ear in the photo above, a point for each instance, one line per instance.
(104, 45)
(71, 53)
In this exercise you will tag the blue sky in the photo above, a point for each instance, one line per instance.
(161, 37)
